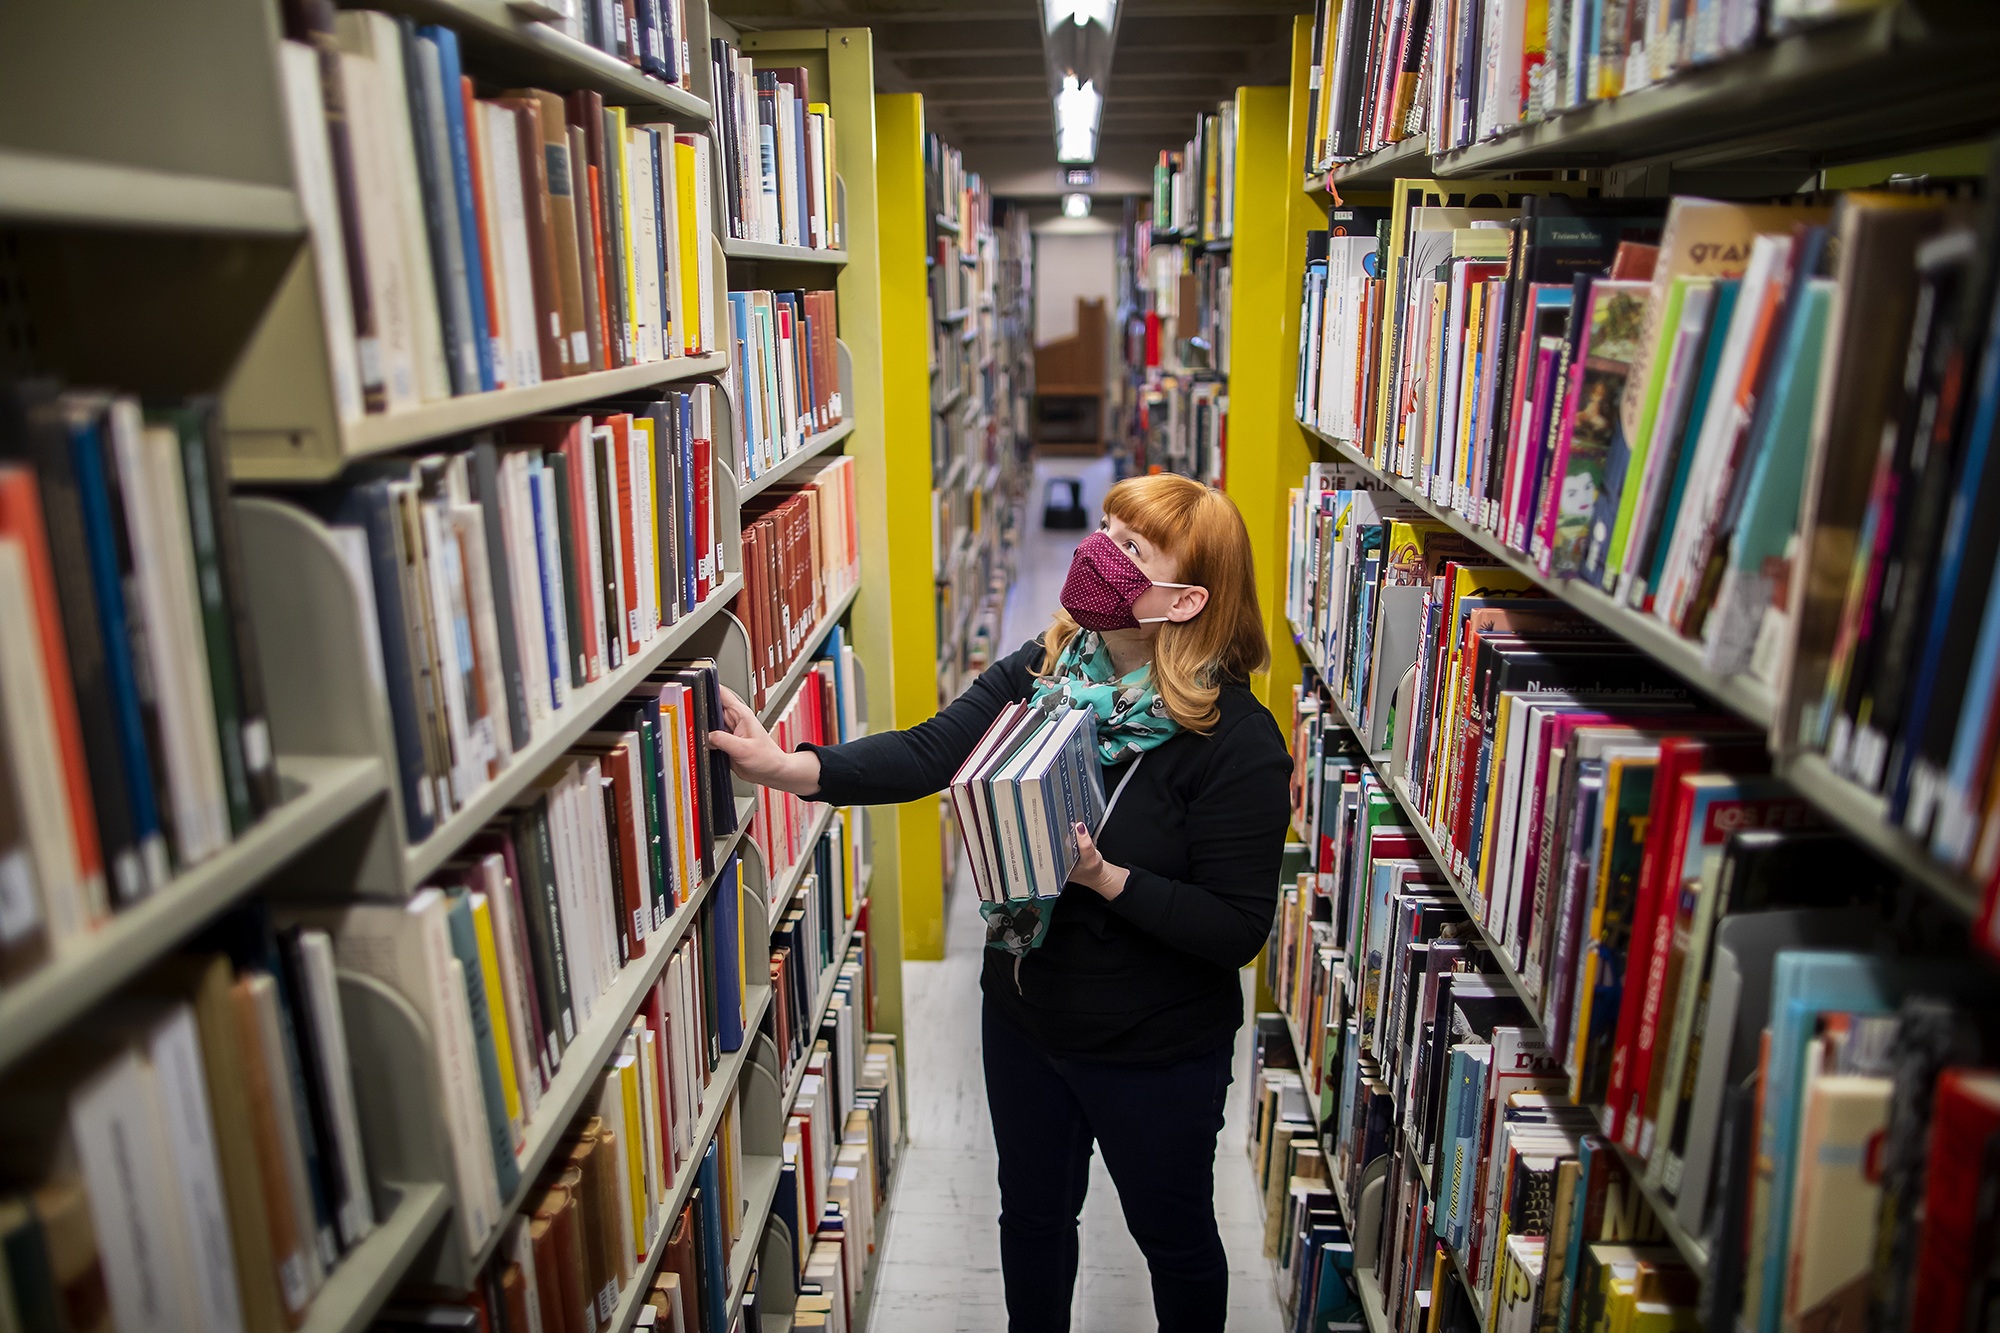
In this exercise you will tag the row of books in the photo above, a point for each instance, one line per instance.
(784, 373)
(1383, 70)
(649, 35)
(192, 1158)
(840, 1155)
(947, 187)
(779, 155)
(1667, 422)
(1336, 317)
(1182, 426)
(1032, 778)
(464, 244)
(801, 555)
(579, 1244)
(500, 578)
(133, 741)
(1194, 190)
(806, 943)
(1305, 1234)
(1616, 855)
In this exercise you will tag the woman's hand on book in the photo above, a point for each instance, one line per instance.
(1093, 871)
(755, 757)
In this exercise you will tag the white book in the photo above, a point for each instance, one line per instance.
(703, 316)
(645, 536)
(611, 1107)
(524, 574)
(542, 487)
(451, 633)
(817, 235)
(172, 1046)
(381, 237)
(676, 333)
(322, 1002)
(166, 604)
(381, 40)
(286, 1111)
(49, 887)
(467, 524)
(312, 169)
(520, 348)
(606, 625)
(114, 1122)
(579, 945)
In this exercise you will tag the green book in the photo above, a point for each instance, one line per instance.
(1656, 380)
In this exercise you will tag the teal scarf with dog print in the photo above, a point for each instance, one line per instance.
(1131, 716)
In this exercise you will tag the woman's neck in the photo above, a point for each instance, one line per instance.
(1130, 649)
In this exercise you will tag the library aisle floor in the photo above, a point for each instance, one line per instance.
(940, 1269)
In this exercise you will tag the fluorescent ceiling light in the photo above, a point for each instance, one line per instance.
(1076, 205)
(1077, 111)
(1080, 12)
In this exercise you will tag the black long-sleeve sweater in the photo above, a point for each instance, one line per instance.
(1149, 977)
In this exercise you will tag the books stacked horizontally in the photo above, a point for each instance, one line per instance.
(1383, 70)
(464, 244)
(801, 554)
(132, 735)
(779, 155)
(501, 578)
(784, 373)
(1194, 190)
(1034, 776)
(190, 1158)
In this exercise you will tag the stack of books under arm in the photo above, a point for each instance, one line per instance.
(467, 244)
(778, 154)
(1695, 407)
(1033, 777)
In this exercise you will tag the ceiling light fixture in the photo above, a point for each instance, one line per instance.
(1076, 205)
(1077, 39)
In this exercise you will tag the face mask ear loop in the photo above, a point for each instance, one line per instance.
(1157, 620)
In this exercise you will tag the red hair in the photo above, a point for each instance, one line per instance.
(1199, 527)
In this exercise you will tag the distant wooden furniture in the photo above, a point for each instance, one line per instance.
(1069, 385)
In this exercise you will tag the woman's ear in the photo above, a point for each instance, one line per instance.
(1188, 605)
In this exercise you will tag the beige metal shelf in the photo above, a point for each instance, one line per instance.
(500, 40)
(382, 432)
(369, 1273)
(325, 791)
(585, 706)
(790, 254)
(814, 447)
(46, 190)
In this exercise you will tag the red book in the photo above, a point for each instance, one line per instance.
(621, 765)
(654, 1012)
(1957, 1195)
(708, 553)
(475, 148)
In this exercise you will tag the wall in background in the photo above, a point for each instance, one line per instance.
(1069, 265)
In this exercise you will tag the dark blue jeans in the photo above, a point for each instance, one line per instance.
(1157, 1125)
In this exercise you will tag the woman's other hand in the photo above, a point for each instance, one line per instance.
(1093, 871)
(755, 757)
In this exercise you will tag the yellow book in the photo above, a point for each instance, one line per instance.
(621, 188)
(742, 950)
(633, 1134)
(496, 999)
(687, 321)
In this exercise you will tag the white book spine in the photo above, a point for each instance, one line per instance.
(381, 238)
(312, 168)
(357, 1208)
(286, 1111)
(393, 104)
(174, 1049)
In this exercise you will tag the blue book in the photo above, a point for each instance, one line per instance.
(1449, 1160)
(714, 1258)
(1697, 407)
(500, 1134)
(542, 499)
(100, 537)
(728, 953)
(1468, 1134)
(690, 557)
(449, 73)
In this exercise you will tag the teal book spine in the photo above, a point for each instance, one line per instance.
(465, 947)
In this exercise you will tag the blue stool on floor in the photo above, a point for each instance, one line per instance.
(1062, 505)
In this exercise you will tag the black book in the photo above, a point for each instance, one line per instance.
(1316, 89)
(557, 464)
(536, 856)
(723, 77)
(369, 508)
(1348, 77)
(32, 429)
(701, 724)
(610, 579)
(318, 1097)
(620, 900)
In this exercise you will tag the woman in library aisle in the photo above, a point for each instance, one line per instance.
(1118, 1027)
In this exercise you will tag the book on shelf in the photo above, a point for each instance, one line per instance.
(781, 823)
(801, 555)
(224, 1073)
(1194, 189)
(465, 244)
(780, 153)
(131, 693)
(1022, 792)
(784, 376)
(497, 580)
(651, 36)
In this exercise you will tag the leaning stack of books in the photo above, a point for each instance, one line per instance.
(1032, 778)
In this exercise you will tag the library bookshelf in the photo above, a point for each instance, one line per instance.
(1777, 117)
(172, 254)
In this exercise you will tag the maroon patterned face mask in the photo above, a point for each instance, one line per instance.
(1104, 585)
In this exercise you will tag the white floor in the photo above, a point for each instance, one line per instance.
(940, 1266)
